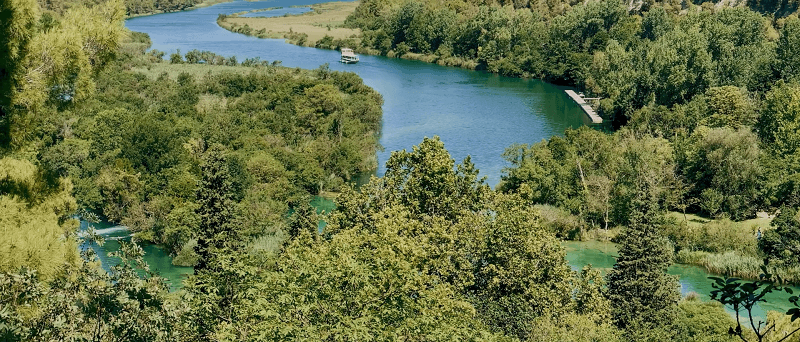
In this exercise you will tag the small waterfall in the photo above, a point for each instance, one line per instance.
(111, 230)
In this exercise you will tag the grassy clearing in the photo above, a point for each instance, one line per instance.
(324, 19)
(197, 70)
(698, 221)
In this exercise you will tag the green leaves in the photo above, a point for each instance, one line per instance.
(782, 245)
(779, 124)
(17, 29)
(794, 312)
(84, 302)
(719, 162)
(742, 298)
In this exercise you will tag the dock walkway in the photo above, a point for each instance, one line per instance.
(585, 106)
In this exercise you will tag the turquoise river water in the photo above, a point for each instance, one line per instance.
(475, 113)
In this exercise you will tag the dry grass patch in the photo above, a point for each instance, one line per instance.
(197, 70)
(324, 19)
(750, 226)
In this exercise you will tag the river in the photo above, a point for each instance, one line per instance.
(475, 113)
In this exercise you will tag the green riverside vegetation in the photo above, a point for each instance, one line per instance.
(710, 91)
(51, 8)
(217, 161)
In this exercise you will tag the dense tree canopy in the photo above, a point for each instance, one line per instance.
(783, 243)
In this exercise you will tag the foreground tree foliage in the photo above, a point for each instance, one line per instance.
(87, 303)
(742, 297)
(211, 164)
(34, 218)
(42, 68)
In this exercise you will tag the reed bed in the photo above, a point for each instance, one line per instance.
(732, 264)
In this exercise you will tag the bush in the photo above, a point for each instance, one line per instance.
(401, 49)
(715, 236)
(187, 256)
(726, 235)
(560, 222)
(176, 58)
(325, 43)
(703, 321)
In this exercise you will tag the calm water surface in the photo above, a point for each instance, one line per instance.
(474, 113)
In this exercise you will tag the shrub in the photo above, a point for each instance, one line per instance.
(559, 221)
(176, 58)
(702, 321)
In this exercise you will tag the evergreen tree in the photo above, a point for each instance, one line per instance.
(304, 218)
(642, 294)
(221, 277)
(215, 200)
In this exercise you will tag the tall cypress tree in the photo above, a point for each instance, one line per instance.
(219, 276)
(642, 294)
(215, 197)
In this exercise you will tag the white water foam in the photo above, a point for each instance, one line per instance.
(110, 230)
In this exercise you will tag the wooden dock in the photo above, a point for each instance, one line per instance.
(585, 106)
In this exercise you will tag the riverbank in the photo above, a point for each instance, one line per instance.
(306, 29)
(732, 264)
(721, 247)
(322, 28)
(204, 3)
(725, 247)
(693, 279)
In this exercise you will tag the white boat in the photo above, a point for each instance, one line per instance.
(348, 57)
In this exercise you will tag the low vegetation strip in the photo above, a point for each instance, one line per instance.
(306, 29)
(732, 264)
(141, 8)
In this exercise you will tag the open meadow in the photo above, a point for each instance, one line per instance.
(324, 19)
